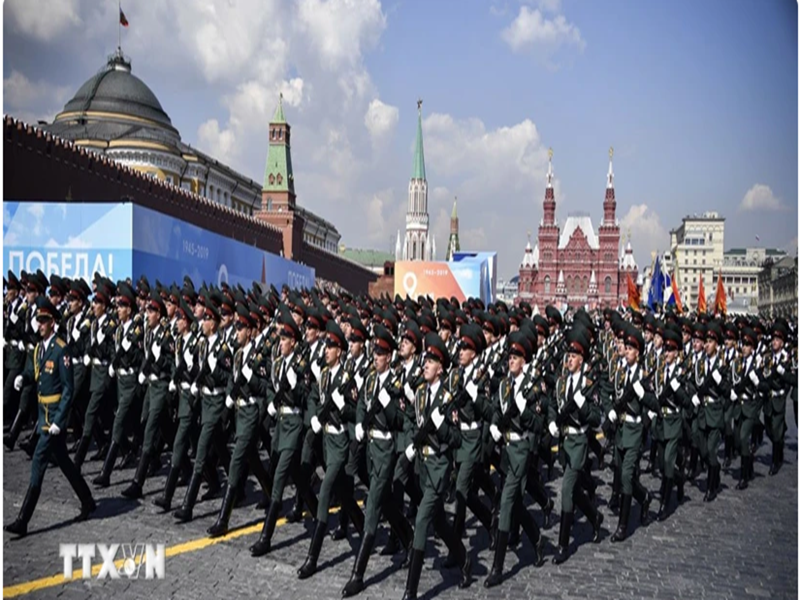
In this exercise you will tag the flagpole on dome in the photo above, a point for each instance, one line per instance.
(119, 27)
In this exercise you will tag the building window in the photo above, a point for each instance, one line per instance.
(280, 178)
(269, 203)
(547, 284)
(607, 285)
(271, 179)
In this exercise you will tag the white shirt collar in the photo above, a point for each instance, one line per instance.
(213, 339)
(46, 343)
(434, 388)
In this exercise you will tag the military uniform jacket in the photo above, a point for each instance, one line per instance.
(14, 329)
(248, 383)
(128, 350)
(386, 421)
(628, 406)
(100, 346)
(744, 393)
(433, 458)
(315, 357)
(579, 422)
(515, 424)
(775, 384)
(159, 353)
(328, 413)
(51, 370)
(30, 330)
(672, 401)
(79, 328)
(717, 393)
(215, 365)
(186, 365)
(411, 379)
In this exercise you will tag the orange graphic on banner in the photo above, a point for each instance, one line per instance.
(420, 278)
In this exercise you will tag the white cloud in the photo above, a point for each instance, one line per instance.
(32, 101)
(42, 19)
(72, 242)
(760, 197)
(221, 143)
(551, 6)
(646, 231)
(532, 30)
(380, 120)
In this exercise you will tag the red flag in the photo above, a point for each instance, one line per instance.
(122, 20)
(701, 298)
(633, 294)
(676, 295)
(720, 302)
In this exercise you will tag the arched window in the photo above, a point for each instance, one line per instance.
(413, 250)
(585, 284)
(547, 284)
(607, 285)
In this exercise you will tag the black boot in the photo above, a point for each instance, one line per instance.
(728, 451)
(134, 490)
(221, 526)
(744, 473)
(414, 572)
(310, 566)
(547, 511)
(624, 512)
(458, 530)
(495, 524)
(496, 574)
(594, 516)
(184, 513)
(356, 583)
(296, 514)
(29, 445)
(777, 458)
(562, 553)
(644, 517)
(711, 484)
(392, 547)
(662, 508)
(341, 528)
(101, 452)
(165, 500)
(20, 525)
(264, 543)
(104, 479)
(16, 427)
(81, 450)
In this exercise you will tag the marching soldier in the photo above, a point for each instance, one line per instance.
(50, 370)
(777, 373)
(15, 308)
(746, 400)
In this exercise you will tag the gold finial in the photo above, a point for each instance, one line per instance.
(419, 104)
(550, 153)
(611, 153)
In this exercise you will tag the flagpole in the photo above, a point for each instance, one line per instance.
(119, 26)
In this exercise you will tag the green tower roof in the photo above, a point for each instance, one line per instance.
(419, 155)
(278, 116)
(278, 175)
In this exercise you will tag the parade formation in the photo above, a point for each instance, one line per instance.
(425, 404)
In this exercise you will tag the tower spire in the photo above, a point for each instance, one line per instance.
(453, 245)
(610, 203)
(610, 180)
(549, 193)
(550, 168)
(419, 154)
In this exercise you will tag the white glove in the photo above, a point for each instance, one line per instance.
(734, 395)
(111, 371)
(675, 385)
(194, 389)
(126, 344)
(384, 398)
(472, 390)
(695, 400)
(172, 387)
(101, 335)
(156, 350)
(438, 417)
(359, 432)
(780, 369)
(717, 377)
(754, 378)
(271, 409)
(553, 428)
(14, 317)
(315, 424)
(54, 430)
(580, 399)
(18, 382)
(639, 389)
(229, 402)
(21, 346)
(496, 435)
(86, 360)
(338, 399)
(76, 334)
(409, 392)
(247, 371)
(520, 401)
(189, 358)
(292, 377)
(410, 452)
(491, 371)
(316, 370)
(651, 415)
(359, 380)
(141, 378)
(612, 416)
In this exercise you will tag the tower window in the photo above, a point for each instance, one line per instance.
(547, 284)
(280, 178)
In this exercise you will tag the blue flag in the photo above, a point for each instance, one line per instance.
(656, 293)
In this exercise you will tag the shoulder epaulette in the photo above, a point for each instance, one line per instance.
(61, 343)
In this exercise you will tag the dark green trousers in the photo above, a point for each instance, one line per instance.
(713, 438)
(188, 407)
(516, 456)
(98, 387)
(576, 448)
(336, 449)
(213, 406)
(56, 447)
(126, 392)
(157, 402)
(248, 419)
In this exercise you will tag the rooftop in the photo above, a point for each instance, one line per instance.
(366, 257)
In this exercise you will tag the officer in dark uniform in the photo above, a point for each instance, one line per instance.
(336, 406)
(51, 372)
(777, 373)
(125, 368)
(286, 394)
(571, 414)
(746, 400)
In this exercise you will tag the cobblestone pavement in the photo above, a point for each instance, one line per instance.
(742, 545)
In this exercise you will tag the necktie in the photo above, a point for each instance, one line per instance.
(571, 389)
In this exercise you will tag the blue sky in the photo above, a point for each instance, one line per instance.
(699, 100)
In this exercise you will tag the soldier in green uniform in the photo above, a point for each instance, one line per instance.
(125, 367)
(287, 400)
(571, 414)
(746, 400)
(155, 372)
(511, 423)
(433, 436)
(776, 372)
(627, 408)
(730, 354)
(245, 394)
(377, 421)
(78, 324)
(50, 371)
(14, 309)
(672, 399)
(215, 362)
(99, 353)
(694, 412)
(186, 366)
(336, 401)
